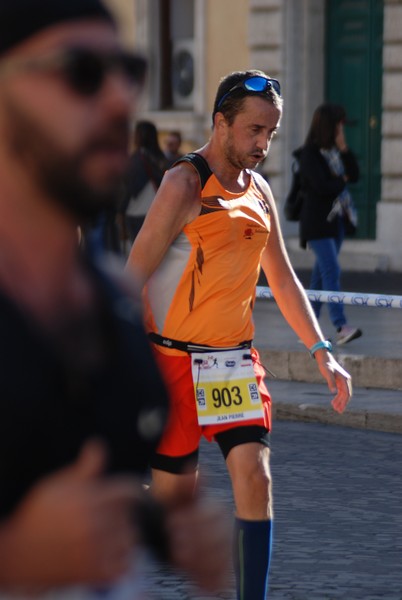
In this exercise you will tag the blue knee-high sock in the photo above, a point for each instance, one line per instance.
(252, 554)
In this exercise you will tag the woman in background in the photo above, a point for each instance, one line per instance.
(327, 165)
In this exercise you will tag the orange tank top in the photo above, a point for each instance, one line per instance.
(204, 289)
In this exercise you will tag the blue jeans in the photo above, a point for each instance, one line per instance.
(326, 275)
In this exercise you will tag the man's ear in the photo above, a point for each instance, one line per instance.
(219, 120)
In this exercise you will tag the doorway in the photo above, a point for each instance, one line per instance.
(354, 34)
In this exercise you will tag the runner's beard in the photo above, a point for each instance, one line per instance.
(237, 160)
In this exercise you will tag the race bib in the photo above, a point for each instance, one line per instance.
(225, 387)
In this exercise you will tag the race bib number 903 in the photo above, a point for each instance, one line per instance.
(225, 387)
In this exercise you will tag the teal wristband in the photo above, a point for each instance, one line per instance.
(321, 344)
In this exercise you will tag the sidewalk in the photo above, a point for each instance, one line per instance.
(374, 360)
(372, 409)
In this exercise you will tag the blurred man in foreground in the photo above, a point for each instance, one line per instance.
(82, 403)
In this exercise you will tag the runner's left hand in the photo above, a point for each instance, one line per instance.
(339, 381)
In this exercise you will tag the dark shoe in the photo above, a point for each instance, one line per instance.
(347, 334)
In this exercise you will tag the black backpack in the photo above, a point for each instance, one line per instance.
(294, 199)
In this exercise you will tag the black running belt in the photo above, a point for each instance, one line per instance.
(189, 347)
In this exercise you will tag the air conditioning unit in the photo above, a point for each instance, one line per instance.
(183, 73)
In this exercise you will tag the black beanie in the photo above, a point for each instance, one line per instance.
(20, 19)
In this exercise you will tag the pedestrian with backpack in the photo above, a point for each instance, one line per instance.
(326, 167)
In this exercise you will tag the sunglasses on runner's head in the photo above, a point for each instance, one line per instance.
(256, 84)
(83, 69)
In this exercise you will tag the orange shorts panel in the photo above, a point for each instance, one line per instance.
(183, 433)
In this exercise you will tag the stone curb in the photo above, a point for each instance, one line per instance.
(309, 413)
(366, 371)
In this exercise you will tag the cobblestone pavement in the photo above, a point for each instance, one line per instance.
(338, 523)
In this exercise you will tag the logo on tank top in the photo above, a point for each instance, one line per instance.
(249, 232)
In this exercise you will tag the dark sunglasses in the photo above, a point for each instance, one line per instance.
(256, 84)
(85, 69)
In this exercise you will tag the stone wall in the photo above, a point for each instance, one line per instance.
(285, 38)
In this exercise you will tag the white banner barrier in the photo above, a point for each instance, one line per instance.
(353, 298)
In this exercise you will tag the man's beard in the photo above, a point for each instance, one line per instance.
(58, 174)
(237, 160)
(232, 155)
(61, 179)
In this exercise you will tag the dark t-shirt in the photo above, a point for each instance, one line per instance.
(320, 188)
(94, 377)
(143, 167)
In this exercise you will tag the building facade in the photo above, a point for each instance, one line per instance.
(346, 51)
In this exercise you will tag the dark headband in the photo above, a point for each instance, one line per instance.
(20, 19)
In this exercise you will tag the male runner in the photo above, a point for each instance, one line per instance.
(212, 225)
